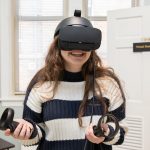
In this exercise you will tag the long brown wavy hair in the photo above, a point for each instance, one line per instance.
(54, 68)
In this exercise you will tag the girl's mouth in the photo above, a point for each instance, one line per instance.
(77, 54)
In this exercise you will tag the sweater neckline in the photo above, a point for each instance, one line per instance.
(72, 76)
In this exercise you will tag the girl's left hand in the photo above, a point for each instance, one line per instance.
(91, 137)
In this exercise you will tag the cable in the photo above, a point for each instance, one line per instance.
(93, 100)
(97, 130)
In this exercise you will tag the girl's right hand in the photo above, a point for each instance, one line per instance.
(23, 131)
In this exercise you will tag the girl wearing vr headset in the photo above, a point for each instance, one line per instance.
(71, 87)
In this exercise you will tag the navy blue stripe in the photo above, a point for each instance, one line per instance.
(119, 112)
(72, 76)
(30, 114)
(62, 145)
(69, 145)
(57, 109)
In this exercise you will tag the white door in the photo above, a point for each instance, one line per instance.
(126, 27)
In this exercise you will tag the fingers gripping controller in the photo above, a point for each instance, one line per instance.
(6, 122)
(99, 132)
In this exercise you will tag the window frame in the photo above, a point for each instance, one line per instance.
(30, 18)
(134, 3)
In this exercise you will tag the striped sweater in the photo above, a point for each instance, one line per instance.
(56, 119)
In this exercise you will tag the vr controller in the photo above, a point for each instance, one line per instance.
(6, 121)
(99, 132)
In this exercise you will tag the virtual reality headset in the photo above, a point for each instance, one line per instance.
(77, 33)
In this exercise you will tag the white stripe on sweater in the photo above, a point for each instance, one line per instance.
(67, 129)
(71, 91)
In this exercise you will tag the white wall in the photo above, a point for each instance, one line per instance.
(146, 2)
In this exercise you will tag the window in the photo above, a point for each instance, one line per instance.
(36, 23)
(97, 13)
(100, 7)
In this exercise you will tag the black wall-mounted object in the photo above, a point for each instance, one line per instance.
(141, 47)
